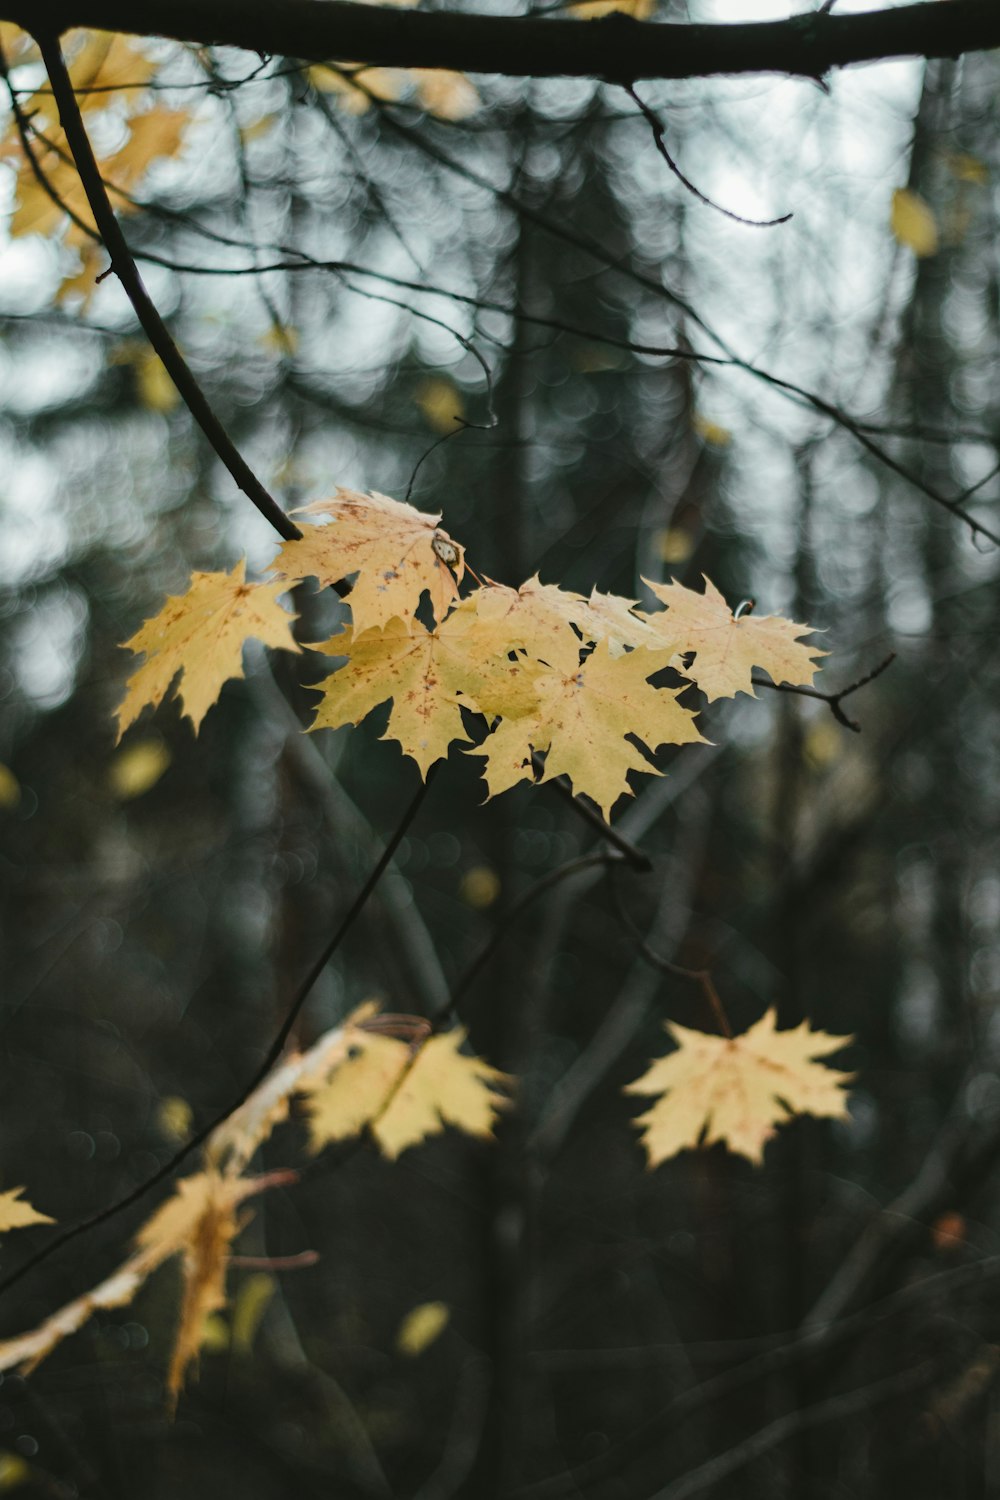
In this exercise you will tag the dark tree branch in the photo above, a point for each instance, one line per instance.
(273, 1053)
(615, 48)
(127, 272)
(832, 700)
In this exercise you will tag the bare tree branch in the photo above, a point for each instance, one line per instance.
(615, 48)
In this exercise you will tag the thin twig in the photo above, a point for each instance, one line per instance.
(127, 272)
(272, 1055)
(832, 700)
(701, 977)
(659, 137)
(635, 857)
(554, 877)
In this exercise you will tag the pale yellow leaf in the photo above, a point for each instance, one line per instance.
(27, 1350)
(421, 1326)
(156, 390)
(913, 223)
(235, 1141)
(440, 402)
(201, 635)
(386, 84)
(137, 768)
(403, 1095)
(10, 788)
(280, 339)
(711, 432)
(582, 720)
(429, 675)
(175, 1116)
(726, 649)
(448, 95)
(343, 1104)
(738, 1089)
(14, 1470)
(592, 10)
(249, 1307)
(398, 553)
(674, 544)
(17, 1213)
(479, 887)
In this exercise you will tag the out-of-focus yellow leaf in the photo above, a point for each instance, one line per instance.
(913, 223)
(14, 1470)
(257, 129)
(17, 45)
(83, 283)
(249, 1307)
(157, 391)
(214, 1337)
(137, 769)
(10, 788)
(968, 168)
(17, 1213)
(448, 95)
(479, 887)
(711, 432)
(440, 403)
(674, 544)
(591, 10)
(421, 1326)
(280, 338)
(823, 743)
(174, 1117)
(386, 84)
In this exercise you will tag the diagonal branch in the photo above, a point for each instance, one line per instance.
(127, 272)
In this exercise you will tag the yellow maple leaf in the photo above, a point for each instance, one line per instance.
(201, 635)
(726, 649)
(17, 1213)
(581, 722)
(403, 1096)
(738, 1089)
(234, 1142)
(429, 675)
(397, 551)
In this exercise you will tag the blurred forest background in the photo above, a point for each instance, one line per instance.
(824, 1326)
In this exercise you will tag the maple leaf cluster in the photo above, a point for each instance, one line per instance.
(355, 1077)
(565, 682)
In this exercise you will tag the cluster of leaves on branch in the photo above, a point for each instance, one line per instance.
(554, 674)
(538, 681)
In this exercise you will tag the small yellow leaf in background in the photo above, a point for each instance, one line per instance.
(249, 1307)
(18, 1214)
(711, 432)
(447, 95)
(137, 769)
(157, 391)
(379, 83)
(214, 1335)
(440, 403)
(674, 545)
(479, 887)
(281, 339)
(591, 10)
(421, 1326)
(14, 1470)
(968, 168)
(738, 1089)
(174, 1117)
(259, 127)
(913, 223)
(10, 788)
(823, 743)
